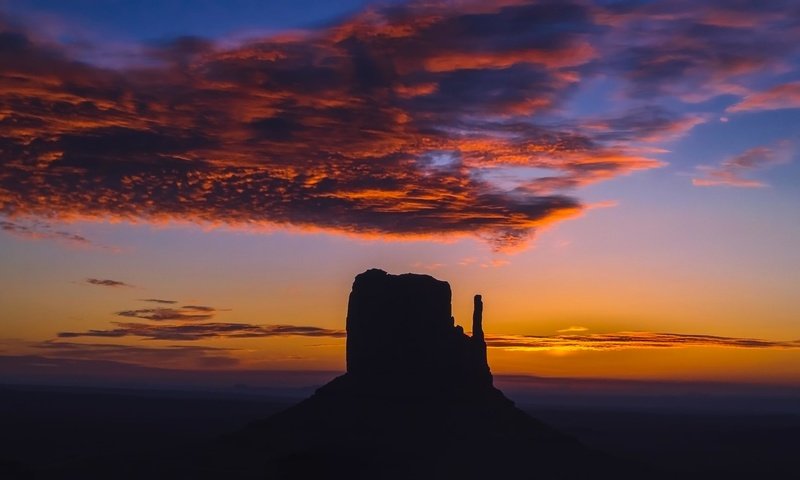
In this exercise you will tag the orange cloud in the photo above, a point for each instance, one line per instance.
(186, 312)
(628, 340)
(570, 56)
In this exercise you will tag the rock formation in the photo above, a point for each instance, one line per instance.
(401, 337)
(417, 401)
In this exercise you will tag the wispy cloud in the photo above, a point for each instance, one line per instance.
(572, 328)
(186, 312)
(159, 300)
(168, 356)
(629, 340)
(37, 230)
(202, 331)
(781, 96)
(693, 51)
(733, 171)
(560, 342)
(191, 322)
(105, 282)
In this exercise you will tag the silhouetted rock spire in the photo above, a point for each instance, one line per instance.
(478, 340)
(400, 332)
(477, 319)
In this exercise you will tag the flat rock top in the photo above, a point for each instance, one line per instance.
(400, 331)
(418, 304)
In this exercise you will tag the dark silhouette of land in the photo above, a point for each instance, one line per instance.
(49, 432)
(417, 401)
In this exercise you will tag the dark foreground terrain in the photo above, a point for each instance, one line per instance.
(78, 432)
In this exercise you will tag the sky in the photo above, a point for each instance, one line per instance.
(195, 184)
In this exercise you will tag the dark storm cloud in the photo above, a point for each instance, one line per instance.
(630, 340)
(105, 282)
(333, 129)
(203, 331)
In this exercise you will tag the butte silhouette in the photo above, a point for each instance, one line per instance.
(417, 401)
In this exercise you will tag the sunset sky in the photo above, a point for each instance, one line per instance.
(194, 184)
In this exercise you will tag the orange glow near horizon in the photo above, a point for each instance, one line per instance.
(574, 325)
(618, 183)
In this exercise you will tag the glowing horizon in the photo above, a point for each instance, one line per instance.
(618, 180)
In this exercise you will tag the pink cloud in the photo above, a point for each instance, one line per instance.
(732, 171)
(778, 97)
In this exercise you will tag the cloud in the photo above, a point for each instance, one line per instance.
(333, 129)
(629, 340)
(199, 308)
(732, 171)
(572, 329)
(694, 51)
(644, 124)
(202, 331)
(37, 230)
(786, 95)
(562, 341)
(186, 312)
(343, 128)
(158, 300)
(168, 356)
(104, 282)
(192, 323)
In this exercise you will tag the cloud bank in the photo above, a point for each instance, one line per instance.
(387, 123)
